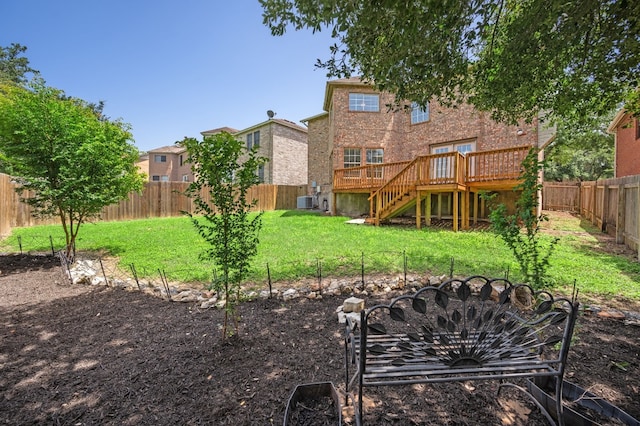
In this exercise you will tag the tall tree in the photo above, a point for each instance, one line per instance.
(581, 153)
(513, 58)
(70, 160)
(13, 66)
(224, 171)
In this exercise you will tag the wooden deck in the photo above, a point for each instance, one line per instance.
(396, 187)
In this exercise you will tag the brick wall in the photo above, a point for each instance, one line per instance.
(289, 158)
(401, 140)
(286, 149)
(319, 168)
(627, 158)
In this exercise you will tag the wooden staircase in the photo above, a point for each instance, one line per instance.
(444, 172)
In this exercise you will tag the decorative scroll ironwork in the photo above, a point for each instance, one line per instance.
(466, 329)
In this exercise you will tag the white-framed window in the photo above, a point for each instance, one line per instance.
(375, 156)
(185, 178)
(158, 158)
(368, 102)
(253, 139)
(442, 165)
(463, 148)
(352, 157)
(164, 178)
(419, 114)
(260, 173)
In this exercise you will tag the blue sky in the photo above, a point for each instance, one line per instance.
(171, 68)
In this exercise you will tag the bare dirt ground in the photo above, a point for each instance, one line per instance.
(73, 355)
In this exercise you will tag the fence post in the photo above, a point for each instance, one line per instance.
(621, 214)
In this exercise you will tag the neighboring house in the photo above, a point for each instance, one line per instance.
(626, 130)
(169, 163)
(143, 164)
(357, 145)
(283, 143)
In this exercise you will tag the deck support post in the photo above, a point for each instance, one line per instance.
(418, 210)
(427, 205)
(475, 207)
(465, 208)
(456, 210)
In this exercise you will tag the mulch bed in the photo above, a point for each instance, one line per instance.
(74, 355)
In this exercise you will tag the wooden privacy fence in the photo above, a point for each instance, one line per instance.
(561, 196)
(613, 205)
(158, 199)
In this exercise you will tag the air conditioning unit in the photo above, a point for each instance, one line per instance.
(305, 202)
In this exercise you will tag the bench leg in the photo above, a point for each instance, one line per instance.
(537, 403)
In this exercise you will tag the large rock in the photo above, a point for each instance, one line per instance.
(353, 304)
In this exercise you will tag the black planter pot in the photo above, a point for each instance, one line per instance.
(307, 395)
(581, 397)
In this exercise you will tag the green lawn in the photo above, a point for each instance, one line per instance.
(292, 243)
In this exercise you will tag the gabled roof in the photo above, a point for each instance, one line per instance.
(278, 121)
(617, 120)
(351, 81)
(169, 149)
(314, 117)
(219, 130)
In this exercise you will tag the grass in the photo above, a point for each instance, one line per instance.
(293, 243)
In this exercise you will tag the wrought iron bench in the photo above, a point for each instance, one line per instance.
(471, 329)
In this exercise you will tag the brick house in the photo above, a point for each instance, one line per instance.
(357, 144)
(283, 143)
(626, 130)
(169, 163)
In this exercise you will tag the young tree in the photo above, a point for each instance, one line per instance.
(70, 160)
(224, 171)
(513, 58)
(530, 250)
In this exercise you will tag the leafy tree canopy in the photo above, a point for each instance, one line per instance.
(13, 66)
(70, 160)
(513, 58)
(581, 153)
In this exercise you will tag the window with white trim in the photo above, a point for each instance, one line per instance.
(352, 157)
(261, 173)
(160, 158)
(419, 114)
(367, 102)
(253, 139)
(375, 156)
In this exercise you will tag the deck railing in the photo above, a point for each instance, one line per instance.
(437, 169)
(499, 164)
(371, 176)
(441, 169)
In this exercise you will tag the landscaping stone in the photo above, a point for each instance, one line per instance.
(353, 304)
